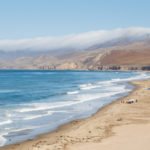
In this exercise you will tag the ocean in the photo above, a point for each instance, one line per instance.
(35, 102)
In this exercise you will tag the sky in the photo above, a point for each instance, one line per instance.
(22, 19)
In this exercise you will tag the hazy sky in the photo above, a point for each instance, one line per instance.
(39, 18)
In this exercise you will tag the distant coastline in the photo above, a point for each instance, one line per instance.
(99, 68)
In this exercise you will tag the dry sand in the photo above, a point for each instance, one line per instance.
(118, 126)
(128, 137)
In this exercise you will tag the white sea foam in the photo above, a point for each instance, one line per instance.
(89, 86)
(5, 122)
(139, 76)
(89, 97)
(2, 140)
(117, 88)
(72, 92)
(111, 90)
(78, 99)
(22, 129)
(38, 116)
(33, 117)
(105, 83)
(43, 106)
(8, 114)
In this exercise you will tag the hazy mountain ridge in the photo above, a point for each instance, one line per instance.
(135, 54)
(126, 51)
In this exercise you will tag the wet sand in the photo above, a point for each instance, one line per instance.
(116, 126)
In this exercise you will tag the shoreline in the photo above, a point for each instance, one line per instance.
(62, 126)
(109, 70)
(69, 133)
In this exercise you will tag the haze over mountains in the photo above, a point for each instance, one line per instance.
(126, 48)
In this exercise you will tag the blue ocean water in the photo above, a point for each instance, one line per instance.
(35, 102)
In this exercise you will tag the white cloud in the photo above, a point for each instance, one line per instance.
(77, 41)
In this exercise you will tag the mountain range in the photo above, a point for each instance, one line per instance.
(119, 49)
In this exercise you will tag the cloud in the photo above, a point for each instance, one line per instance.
(75, 41)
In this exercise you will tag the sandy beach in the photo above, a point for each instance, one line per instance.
(116, 126)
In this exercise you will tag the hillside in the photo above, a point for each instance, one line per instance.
(125, 49)
(127, 56)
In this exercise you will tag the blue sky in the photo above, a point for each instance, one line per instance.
(39, 18)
